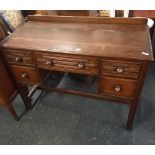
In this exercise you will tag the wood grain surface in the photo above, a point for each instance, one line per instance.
(112, 40)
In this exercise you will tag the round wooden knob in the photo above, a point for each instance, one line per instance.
(24, 76)
(18, 59)
(120, 70)
(81, 65)
(117, 88)
(49, 62)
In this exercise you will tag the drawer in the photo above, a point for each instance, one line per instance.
(67, 63)
(121, 68)
(19, 58)
(118, 87)
(26, 74)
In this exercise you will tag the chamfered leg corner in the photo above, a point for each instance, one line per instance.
(10, 108)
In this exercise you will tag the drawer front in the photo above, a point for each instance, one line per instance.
(121, 68)
(67, 63)
(19, 58)
(26, 74)
(118, 87)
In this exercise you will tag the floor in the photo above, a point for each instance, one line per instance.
(66, 119)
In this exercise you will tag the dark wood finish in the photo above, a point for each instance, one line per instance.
(88, 41)
(118, 87)
(121, 68)
(72, 12)
(134, 104)
(142, 13)
(2, 32)
(8, 90)
(90, 95)
(8, 86)
(90, 20)
(67, 63)
(25, 74)
(19, 58)
(117, 50)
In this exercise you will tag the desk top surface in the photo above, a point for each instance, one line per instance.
(107, 40)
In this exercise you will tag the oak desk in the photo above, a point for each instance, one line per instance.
(116, 50)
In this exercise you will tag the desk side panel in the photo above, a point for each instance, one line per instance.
(7, 88)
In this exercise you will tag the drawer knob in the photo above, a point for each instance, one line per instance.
(18, 59)
(24, 76)
(49, 62)
(120, 70)
(81, 65)
(117, 88)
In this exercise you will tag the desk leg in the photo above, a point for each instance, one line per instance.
(134, 105)
(131, 115)
(10, 108)
(23, 90)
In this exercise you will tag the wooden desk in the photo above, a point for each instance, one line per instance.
(117, 50)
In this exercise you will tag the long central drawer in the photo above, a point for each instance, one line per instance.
(67, 63)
